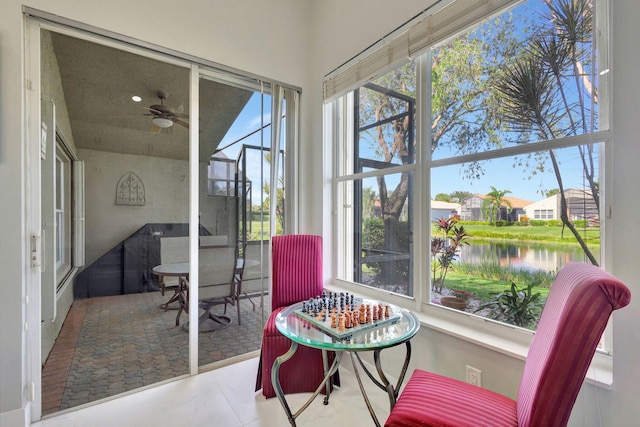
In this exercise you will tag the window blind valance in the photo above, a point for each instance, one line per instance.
(435, 27)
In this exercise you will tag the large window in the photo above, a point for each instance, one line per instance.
(475, 170)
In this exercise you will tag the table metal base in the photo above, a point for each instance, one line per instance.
(392, 391)
(329, 371)
(384, 384)
(174, 298)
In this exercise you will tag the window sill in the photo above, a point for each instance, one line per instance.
(512, 342)
(504, 339)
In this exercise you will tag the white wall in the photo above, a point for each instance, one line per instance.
(336, 39)
(548, 203)
(268, 40)
(166, 185)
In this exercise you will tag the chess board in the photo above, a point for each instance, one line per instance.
(323, 322)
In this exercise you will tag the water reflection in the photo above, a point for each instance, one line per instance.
(524, 255)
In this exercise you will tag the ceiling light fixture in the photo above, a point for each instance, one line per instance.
(162, 122)
(136, 98)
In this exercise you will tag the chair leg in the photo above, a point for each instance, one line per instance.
(259, 374)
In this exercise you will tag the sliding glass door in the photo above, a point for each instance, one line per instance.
(166, 153)
(114, 327)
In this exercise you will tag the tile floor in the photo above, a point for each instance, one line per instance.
(224, 397)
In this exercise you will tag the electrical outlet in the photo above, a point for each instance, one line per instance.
(474, 376)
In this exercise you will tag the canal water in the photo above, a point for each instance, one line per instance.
(525, 255)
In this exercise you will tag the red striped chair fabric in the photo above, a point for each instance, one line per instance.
(575, 315)
(296, 276)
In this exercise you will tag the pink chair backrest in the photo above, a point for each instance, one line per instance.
(580, 302)
(296, 268)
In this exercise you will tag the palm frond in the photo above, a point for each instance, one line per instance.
(573, 19)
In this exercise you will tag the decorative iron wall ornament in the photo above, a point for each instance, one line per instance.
(130, 190)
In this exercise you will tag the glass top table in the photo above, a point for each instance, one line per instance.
(398, 328)
(402, 327)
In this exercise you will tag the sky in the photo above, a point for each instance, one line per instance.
(499, 173)
(523, 183)
(256, 113)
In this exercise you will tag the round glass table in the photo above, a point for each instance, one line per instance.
(397, 328)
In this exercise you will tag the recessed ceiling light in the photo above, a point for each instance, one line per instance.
(136, 98)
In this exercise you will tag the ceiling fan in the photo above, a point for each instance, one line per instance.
(165, 116)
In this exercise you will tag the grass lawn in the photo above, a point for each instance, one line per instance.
(529, 233)
(481, 288)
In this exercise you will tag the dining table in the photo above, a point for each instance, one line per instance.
(181, 291)
(175, 269)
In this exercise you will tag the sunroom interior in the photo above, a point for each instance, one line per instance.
(112, 138)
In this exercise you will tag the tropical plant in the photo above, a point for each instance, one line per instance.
(549, 91)
(519, 307)
(445, 249)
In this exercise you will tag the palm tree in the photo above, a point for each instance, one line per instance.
(535, 94)
(494, 201)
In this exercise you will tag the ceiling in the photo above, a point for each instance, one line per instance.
(99, 81)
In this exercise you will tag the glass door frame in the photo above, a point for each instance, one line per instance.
(35, 22)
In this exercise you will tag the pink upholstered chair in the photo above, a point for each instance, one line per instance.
(296, 276)
(581, 300)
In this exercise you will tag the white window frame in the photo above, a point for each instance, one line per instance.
(500, 337)
(63, 238)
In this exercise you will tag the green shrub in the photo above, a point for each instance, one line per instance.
(461, 222)
(373, 238)
(517, 307)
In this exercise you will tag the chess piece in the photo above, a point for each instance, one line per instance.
(341, 322)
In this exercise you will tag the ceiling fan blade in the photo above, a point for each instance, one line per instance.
(153, 111)
(181, 123)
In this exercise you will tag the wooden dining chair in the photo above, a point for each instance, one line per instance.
(579, 305)
(296, 276)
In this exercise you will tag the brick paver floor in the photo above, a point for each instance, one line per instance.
(109, 345)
